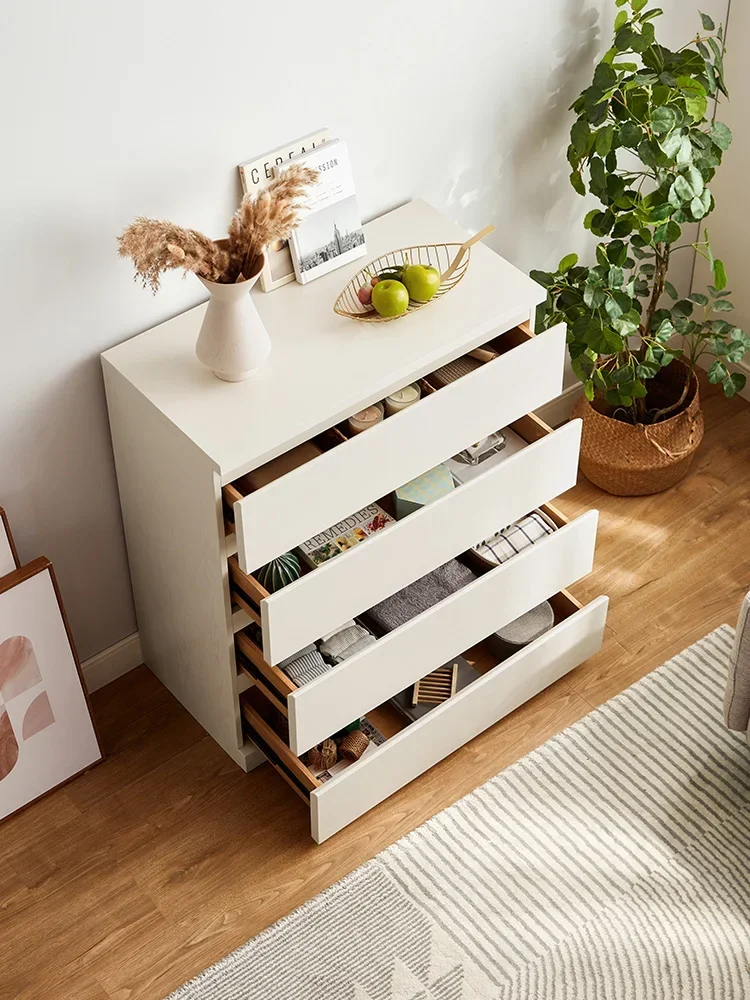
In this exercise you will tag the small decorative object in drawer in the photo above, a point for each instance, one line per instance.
(436, 687)
(344, 535)
(522, 631)
(478, 458)
(460, 674)
(366, 418)
(511, 540)
(352, 746)
(402, 398)
(279, 572)
(427, 488)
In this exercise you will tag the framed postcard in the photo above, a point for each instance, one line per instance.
(8, 555)
(47, 735)
(330, 233)
(255, 175)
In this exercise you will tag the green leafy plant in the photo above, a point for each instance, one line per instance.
(643, 144)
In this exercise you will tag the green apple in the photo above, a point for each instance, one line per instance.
(390, 298)
(421, 281)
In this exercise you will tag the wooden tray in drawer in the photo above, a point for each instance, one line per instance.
(411, 749)
(358, 579)
(399, 658)
(316, 495)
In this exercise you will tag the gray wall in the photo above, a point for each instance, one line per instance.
(113, 110)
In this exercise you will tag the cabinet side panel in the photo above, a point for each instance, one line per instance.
(171, 505)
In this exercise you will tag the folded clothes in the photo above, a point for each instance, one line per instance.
(304, 666)
(419, 596)
(516, 537)
(347, 640)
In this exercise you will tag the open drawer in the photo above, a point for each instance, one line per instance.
(358, 579)
(412, 748)
(309, 499)
(500, 595)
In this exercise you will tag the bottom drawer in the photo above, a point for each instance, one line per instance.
(412, 748)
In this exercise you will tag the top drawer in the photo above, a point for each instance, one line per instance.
(316, 495)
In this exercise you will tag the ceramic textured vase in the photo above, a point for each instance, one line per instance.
(233, 341)
(279, 572)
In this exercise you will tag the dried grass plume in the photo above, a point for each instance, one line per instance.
(157, 246)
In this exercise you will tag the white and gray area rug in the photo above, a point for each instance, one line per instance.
(612, 862)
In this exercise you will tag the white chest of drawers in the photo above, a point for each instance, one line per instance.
(183, 440)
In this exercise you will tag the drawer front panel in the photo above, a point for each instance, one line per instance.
(398, 659)
(344, 587)
(448, 727)
(341, 481)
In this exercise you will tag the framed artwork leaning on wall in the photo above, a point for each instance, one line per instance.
(8, 555)
(47, 735)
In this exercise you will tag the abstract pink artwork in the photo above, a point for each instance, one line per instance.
(19, 674)
(46, 732)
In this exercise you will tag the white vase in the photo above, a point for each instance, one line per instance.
(233, 341)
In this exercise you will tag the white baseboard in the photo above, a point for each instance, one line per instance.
(112, 662)
(557, 411)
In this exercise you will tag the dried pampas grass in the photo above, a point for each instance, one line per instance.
(271, 215)
(156, 246)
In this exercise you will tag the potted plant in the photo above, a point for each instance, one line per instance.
(233, 341)
(645, 145)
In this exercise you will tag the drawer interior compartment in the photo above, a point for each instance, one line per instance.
(410, 747)
(342, 587)
(489, 599)
(310, 450)
(296, 496)
(247, 594)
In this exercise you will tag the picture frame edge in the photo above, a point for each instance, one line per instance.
(40, 565)
(11, 541)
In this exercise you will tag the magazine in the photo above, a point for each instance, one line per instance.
(344, 535)
(331, 233)
(255, 175)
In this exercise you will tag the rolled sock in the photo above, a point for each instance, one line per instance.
(424, 593)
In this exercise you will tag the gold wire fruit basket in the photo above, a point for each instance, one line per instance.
(451, 260)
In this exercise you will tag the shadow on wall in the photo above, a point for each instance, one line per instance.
(522, 183)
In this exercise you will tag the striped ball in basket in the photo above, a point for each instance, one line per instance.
(450, 259)
(279, 572)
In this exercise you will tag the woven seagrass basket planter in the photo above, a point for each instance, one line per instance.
(631, 460)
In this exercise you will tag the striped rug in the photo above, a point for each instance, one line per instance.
(612, 862)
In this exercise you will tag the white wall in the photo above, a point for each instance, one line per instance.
(728, 225)
(112, 110)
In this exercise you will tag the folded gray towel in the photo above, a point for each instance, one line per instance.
(348, 640)
(422, 594)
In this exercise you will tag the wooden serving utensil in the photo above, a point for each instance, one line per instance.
(476, 238)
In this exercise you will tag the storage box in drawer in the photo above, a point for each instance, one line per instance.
(322, 492)
(358, 579)
(413, 748)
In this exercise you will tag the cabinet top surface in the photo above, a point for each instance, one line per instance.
(322, 367)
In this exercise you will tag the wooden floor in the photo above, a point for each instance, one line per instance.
(155, 864)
